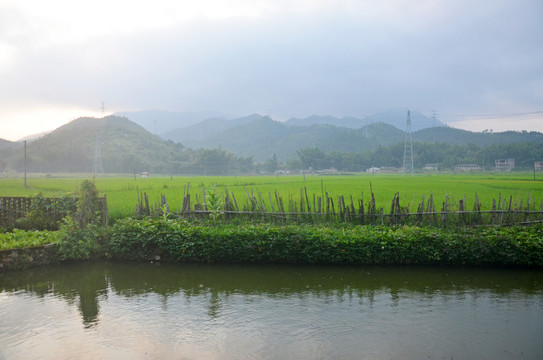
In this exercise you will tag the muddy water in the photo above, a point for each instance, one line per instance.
(197, 311)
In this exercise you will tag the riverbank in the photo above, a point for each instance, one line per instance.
(310, 244)
(23, 258)
(184, 241)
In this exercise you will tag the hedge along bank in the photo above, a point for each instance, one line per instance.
(174, 240)
(178, 240)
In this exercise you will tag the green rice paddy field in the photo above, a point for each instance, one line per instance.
(122, 192)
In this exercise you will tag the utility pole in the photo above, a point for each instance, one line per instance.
(303, 166)
(408, 148)
(25, 164)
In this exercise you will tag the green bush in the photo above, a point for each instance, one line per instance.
(46, 213)
(89, 210)
(181, 240)
(82, 243)
(17, 238)
(266, 243)
(214, 203)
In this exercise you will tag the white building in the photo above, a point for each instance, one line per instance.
(467, 168)
(505, 164)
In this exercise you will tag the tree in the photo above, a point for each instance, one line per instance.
(312, 157)
(244, 164)
(89, 209)
(214, 161)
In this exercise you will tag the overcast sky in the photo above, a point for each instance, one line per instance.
(479, 64)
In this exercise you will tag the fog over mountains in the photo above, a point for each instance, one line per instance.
(194, 143)
(178, 126)
(256, 135)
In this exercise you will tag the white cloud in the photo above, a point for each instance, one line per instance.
(38, 119)
(294, 58)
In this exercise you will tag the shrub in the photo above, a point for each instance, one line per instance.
(82, 243)
(266, 243)
(46, 213)
(17, 239)
(89, 209)
(214, 203)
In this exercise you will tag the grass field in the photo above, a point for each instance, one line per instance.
(122, 192)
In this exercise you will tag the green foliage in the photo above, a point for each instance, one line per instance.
(82, 237)
(22, 239)
(447, 155)
(265, 243)
(214, 203)
(82, 243)
(89, 209)
(46, 213)
(214, 161)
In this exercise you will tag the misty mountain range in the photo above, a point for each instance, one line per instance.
(126, 144)
(190, 126)
(257, 135)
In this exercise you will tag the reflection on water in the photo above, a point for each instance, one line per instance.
(128, 310)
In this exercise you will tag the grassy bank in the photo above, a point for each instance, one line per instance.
(82, 236)
(174, 240)
(265, 243)
(23, 239)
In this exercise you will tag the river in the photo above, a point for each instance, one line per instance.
(217, 311)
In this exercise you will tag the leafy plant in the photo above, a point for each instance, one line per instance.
(21, 239)
(89, 209)
(82, 236)
(84, 243)
(164, 212)
(214, 203)
(270, 243)
(45, 213)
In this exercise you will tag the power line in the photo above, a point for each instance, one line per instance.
(540, 112)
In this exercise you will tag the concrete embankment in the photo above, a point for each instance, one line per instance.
(15, 259)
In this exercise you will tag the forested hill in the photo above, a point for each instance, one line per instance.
(201, 131)
(263, 137)
(172, 125)
(348, 121)
(453, 136)
(124, 146)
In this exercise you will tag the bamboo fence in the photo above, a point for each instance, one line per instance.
(324, 208)
(13, 208)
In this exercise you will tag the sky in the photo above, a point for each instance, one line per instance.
(477, 64)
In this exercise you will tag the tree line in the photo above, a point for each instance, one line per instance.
(444, 156)
(177, 159)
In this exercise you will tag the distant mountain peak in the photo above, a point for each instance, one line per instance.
(347, 121)
(398, 118)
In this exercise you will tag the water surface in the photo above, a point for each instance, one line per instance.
(202, 311)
